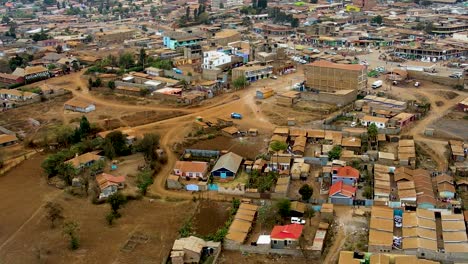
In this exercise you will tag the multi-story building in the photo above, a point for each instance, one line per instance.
(212, 59)
(223, 37)
(329, 77)
(217, 4)
(252, 72)
(174, 39)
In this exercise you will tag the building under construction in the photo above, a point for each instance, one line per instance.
(330, 77)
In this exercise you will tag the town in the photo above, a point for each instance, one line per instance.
(234, 131)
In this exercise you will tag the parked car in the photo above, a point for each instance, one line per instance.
(236, 116)
(417, 84)
(274, 77)
(456, 75)
(297, 220)
(353, 124)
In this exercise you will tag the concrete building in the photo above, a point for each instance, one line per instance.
(213, 59)
(117, 36)
(329, 77)
(176, 39)
(252, 72)
(225, 4)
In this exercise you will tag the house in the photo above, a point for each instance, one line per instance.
(191, 169)
(457, 150)
(10, 79)
(230, 131)
(109, 184)
(404, 119)
(154, 71)
(326, 211)
(282, 187)
(380, 122)
(286, 236)
(284, 163)
(31, 74)
(386, 158)
(288, 98)
(241, 225)
(445, 187)
(190, 249)
(298, 209)
(18, 96)
(347, 174)
(264, 93)
(227, 166)
(300, 170)
(84, 160)
(341, 193)
(351, 143)
(463, 105)
(6, 140)
(77, 105)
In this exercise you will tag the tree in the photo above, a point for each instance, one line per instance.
(144, 180)
(203, 18)
(75, 66)
(377, 20)
(59, 49)
(148, 146)
(142, 57)
(111, 85)
(240, 82)
(221, 5)
(278, 146)
(429, 28)
(116, 201)
(126, 60)
(372, 131)
(90, 83)
(267, 216)
(187, 13)
(85, 127)
(425, 3)
(295, 22)
(70, 229)
(118, 142)
(54, 212)
(109, 150)
(306, 192)
(309, 213)
(334, 153)
(66, 172)
(49, 2)
(15, 62)
(284, 207)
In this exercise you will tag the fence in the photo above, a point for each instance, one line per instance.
(202, 153)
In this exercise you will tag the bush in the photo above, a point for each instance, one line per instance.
(144, 180)
(110, 217)
(459, 87)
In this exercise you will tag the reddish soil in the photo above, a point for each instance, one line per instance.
(145, 117)
(248, 147)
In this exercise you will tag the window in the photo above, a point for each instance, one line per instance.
(275, 242)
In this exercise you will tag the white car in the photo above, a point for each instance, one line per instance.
(297, 220)
(353, 124)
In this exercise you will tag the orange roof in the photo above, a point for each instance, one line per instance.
(346, 171)
(327, 64)
(191, 166)
(342, 189)
(104, 180)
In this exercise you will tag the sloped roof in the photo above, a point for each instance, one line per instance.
(346, 171)
(292, 232)
(343, 189)
(230, 161)
(191, 166)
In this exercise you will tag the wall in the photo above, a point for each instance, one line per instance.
(232, 190)
(331, 98)
(418, 75)
(172, 74)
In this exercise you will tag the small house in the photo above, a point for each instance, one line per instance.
(191, 169)
(191, 249)
(109, 184)
(227, 166)
(457, 150)
(300, 170)
(253, 132)
(445, 186)
(326, 211)
(6, 140)
(230, 131)
(286, 236)
(77, 105)
(342, 194)
(404, 119)
(380, 122)
(284, 163)
(288, 98)
(347, 174)
(85, 160)
(264, 93)
(298, 209)
(351, 143)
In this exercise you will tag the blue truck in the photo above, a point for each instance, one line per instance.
(236, 116)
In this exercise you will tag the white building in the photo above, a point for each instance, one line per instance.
(212, 59)
(217, 4)
(380, 122)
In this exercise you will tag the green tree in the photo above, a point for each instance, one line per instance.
(109, 150)
(377, 19)
(240, 82)
(142, 57)
(59, 49)
(71, 229)
(372, 131)
(334, 153)
(116, 201)
(85, 127)
(429, 28)
(54, 213)
(111, 85)
(295, 22)
(309, 213)
(144, 180)
(126, 60)
(148, 146)
(284, 207)
(306, 192)
(66, 172)
(118, 142)
(278, 146)
(267, 216)
(15, 62)
(153, 11)
(75, 66)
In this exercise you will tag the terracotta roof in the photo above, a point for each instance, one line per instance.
(292, 232)
(445, 187)
(346, 171)
(191, 166)
(104, 180)
(343, 189)
(84, 158)
(327, 64)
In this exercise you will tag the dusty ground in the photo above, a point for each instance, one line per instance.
(210, 216)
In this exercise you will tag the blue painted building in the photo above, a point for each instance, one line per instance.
(227, 166)
(174, 42)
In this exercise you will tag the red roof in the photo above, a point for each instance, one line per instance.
(292, 231)
(343, 189)
(346, 171)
